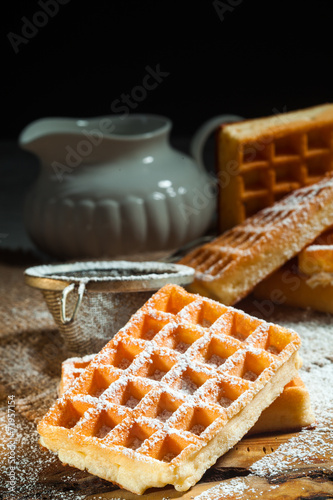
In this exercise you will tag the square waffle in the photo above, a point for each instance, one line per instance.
(261, 160)
(177, 387)
(229, 267)
(289, 412)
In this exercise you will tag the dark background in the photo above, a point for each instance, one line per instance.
(247, 57)
(252, 59)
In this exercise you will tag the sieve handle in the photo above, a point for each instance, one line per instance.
(63, 318)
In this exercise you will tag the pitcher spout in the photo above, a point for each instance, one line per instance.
(59, 139)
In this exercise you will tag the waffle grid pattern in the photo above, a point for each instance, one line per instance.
(167, 382)
(269, 158)
(270, 171)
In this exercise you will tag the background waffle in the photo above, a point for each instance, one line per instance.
(289, 286)
(261, 160)
(229, 267)
(306, 281)
(176, 388)
(290, 411)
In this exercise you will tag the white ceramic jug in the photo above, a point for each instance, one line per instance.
(113, 185)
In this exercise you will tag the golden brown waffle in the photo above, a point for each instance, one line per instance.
(228, 267)
(177, 387)
(289, 412)
(318, 257)
(261, 160)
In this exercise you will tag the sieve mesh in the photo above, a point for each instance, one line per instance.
(91, 301)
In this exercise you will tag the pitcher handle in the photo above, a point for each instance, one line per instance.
(65, 320)
(198, 141)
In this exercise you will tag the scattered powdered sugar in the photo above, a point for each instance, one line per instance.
(309, 447)
(316, 332)
(240, 488)
(32, 466)
(232, 487)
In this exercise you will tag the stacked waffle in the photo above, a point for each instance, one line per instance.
(177, 387)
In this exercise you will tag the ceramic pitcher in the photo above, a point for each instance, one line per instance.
(113, 185)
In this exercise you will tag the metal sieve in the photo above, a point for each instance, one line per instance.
(91, 301)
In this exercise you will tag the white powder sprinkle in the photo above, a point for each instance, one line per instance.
(232, 487)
